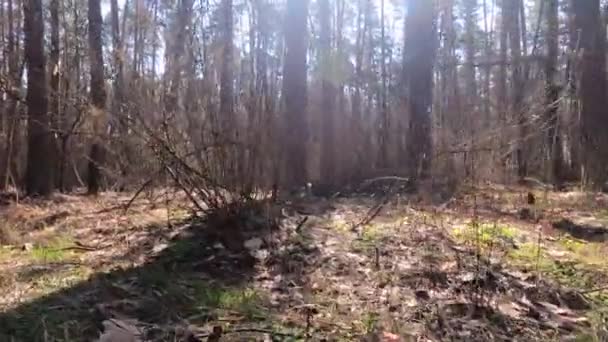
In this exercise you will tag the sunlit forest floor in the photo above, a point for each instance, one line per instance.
(483, 266)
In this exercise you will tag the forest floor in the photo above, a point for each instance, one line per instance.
(485, 266)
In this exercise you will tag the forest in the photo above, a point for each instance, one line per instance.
(303, 170)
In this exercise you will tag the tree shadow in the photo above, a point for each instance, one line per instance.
(583, 232)
(201, 270)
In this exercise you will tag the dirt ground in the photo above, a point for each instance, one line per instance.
(483, 266)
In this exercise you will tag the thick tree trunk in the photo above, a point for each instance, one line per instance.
(592, 91)
(39, 175)
(295, 93)
(98, 96)
(420, 59)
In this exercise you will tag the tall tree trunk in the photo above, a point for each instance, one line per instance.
(384, 114)
(328, 153)
(357, 121)
(420, 50)
(227, 73)
(55, 77)
(118, 54)
(470, 20)
(488, 36)
(39, 175)
(295, 92)
(98, 96)
(512, 15)
(176, 49)
(228, 130)
(502, 90)
(592, 91)
(14, 78)
(552, 90)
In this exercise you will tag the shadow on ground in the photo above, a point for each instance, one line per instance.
(203, 269)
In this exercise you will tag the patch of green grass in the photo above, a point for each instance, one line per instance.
(370, 321)
(572, 245)
(53, 250)
(247, 302)
(527, 255)
(46, 254)
(570, 273)
(484, 234)
(591, 255)
(371, 233)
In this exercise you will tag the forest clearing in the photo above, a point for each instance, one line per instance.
(316, 269)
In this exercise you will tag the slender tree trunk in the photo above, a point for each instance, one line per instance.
(384, 114)
(183, 21)
(98, 96)
(552, 90)
(54, 110)
(470, 19)
(228, 130)
(502, 90)
(512, 15)
(357, 121)
(14, 77)
(488, 36)
(295, 92)
(39, 175)
(118, 54)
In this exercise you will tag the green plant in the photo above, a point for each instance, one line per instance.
(485, 234)
(370, 321)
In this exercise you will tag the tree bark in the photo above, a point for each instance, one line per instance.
(295, 93)
(592, 91)
(98, 96)
(118, 54)
(39, 174)
(552, 90)
(55, 78)
(175, 67)
(228, 130)
(512, 15)
(420, 50)
(470, 20)
(384, 114)
(328, 154)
